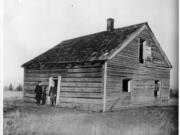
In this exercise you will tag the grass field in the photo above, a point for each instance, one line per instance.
(27, 119)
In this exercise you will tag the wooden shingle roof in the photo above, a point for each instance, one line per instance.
(87, 48)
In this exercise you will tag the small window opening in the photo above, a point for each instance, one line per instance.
(141, 53)
(126, 85)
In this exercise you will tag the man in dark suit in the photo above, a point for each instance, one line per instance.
(156, 89)
(38, 92)
(52, 94)
(44, 95)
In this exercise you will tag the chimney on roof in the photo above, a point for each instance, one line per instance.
(110, 24)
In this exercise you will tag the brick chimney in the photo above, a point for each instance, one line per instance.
(110, 24)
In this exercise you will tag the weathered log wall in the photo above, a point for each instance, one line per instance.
(125, 65)
(81, 86)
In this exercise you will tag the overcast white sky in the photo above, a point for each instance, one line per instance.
(34, 26)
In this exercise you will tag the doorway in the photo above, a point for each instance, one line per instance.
(156, 88)
(56, 81)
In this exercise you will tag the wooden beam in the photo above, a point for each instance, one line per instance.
(50, 83)
(24, 82)
(58, 90)
(104, 90)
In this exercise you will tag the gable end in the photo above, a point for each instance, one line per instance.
(137, 35)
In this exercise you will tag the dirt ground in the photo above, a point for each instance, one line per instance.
(26, 119)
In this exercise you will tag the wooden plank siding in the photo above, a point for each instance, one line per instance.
(125, 65)
(98, 86)
(80, 87)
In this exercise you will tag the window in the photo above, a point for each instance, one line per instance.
(141, 50)
(126, 85)
(145, 52)
(148, 53)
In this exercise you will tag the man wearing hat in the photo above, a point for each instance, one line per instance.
(38, 92)
(53, 93)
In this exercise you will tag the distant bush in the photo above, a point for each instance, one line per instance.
(173, 93)
(19, 87)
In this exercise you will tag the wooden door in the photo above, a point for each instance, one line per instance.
(50, 84)
(129, 85)
(58, 91)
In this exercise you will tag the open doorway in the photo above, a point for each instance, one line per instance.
(55, 82)
(54, 90)
(156, 88)
(126, 85)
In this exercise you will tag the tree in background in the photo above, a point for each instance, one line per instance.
(19, 87)
(10, 87)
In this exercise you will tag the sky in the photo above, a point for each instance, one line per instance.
(31, 27)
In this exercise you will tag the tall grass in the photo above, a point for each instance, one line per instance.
(139, 121)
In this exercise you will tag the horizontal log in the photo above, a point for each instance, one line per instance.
(35, 80)
(91, 80)
(140, 72)
(73, 89)
(152, 75)
(137, 69)
(31, 89)
(119, 96)
(114, 85)
(65, 75)
(115, 66)
(70, 66)
(82, 80)
(35, 83)
(73, 95)
(144, 94)
(80, 84)
(86, 107)
(81, 95)
(81, 100)
(113, 91)
(135, 76)
(30, 95)
(142, 99)
(72, 70)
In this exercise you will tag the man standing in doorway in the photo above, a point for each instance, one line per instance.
(44, 95)
(52, 94)
(38, 92)
(156, 89)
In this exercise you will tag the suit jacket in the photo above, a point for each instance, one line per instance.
(53, 91)
(38, 90)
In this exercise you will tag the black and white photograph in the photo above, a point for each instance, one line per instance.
(90, 67)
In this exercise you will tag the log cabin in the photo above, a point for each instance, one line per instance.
(103, 71)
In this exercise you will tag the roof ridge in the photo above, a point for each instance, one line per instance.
(103, 31)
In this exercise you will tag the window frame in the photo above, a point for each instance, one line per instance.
(141, 50)
(127, 83)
